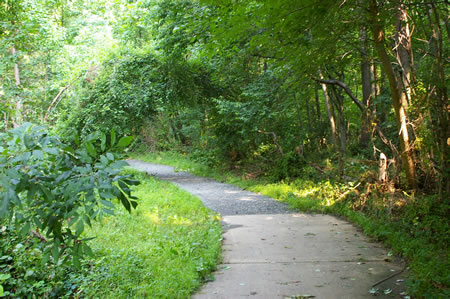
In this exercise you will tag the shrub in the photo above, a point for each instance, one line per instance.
(52, 190)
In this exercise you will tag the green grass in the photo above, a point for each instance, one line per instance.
(181, 162)
(417, 230)
(165, 248)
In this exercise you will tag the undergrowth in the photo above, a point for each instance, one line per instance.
(415, 226)
(166, 248)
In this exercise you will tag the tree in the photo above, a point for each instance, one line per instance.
(399, 82)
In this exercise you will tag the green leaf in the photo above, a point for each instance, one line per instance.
(92, 137)
(80, 227)
(107, 203)
(4, 207)
(132, 182)
(87, 220)
(91, 149)
(118, 164)
(76, 138)
(45, 257)
(134, 203)
(76, 261)
(47, 194)
(31, 192)
(87, 250)
(103, 140)
(110, 156)
(28, 141)
(104, 160)
(38, 154)
(113, 138)
(73, 220)
(25, 229)
(125, 202)
(125, 141)
(108, 211)
(51, 150)
(55, 252)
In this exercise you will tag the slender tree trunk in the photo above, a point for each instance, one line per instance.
(341, 123)
(6, 120)
(342, 135)
(439, 102)
(319, 115)
(18, 118)
(404, 56)
(376, 89)
(308, 112)
(399, 95)
(367, 79)
(330, 111)
(299, 120)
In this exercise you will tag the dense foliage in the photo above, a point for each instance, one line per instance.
(150, 251)
(52, 191)
(274, 88)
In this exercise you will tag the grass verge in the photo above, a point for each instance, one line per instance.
(415, 227)
(164, 249)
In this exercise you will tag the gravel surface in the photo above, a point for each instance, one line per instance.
(223, 198)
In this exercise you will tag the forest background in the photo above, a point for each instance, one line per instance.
(347, 94)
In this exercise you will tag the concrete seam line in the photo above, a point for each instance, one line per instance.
(303, 262)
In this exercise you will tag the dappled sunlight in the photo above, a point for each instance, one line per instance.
(231, 191)
(306, 192)
(153, 217)
(328, 202)
(299, 216)
(179, 220)
(245, 198)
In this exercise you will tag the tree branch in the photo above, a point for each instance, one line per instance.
(55, 101)
(347, 90)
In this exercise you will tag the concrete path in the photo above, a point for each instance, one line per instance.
(272, 252)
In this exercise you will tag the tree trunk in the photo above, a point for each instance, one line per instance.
(319, 116)
(398, 92)
(18, 118)
(404, 56)
(6, 120)
(330, 111)
(367, 90)
(299, 119)
(439, 102)
(308, 112)
(342, 136)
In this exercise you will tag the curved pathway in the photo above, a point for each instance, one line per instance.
(270, 251)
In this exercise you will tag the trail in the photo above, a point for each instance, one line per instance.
(270, 251)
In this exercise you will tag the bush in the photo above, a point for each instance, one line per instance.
(51, 191)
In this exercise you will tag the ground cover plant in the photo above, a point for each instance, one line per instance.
(67, 227)
(416, 231)
(166, 248)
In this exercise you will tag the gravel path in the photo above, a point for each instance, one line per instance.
(223, 198)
